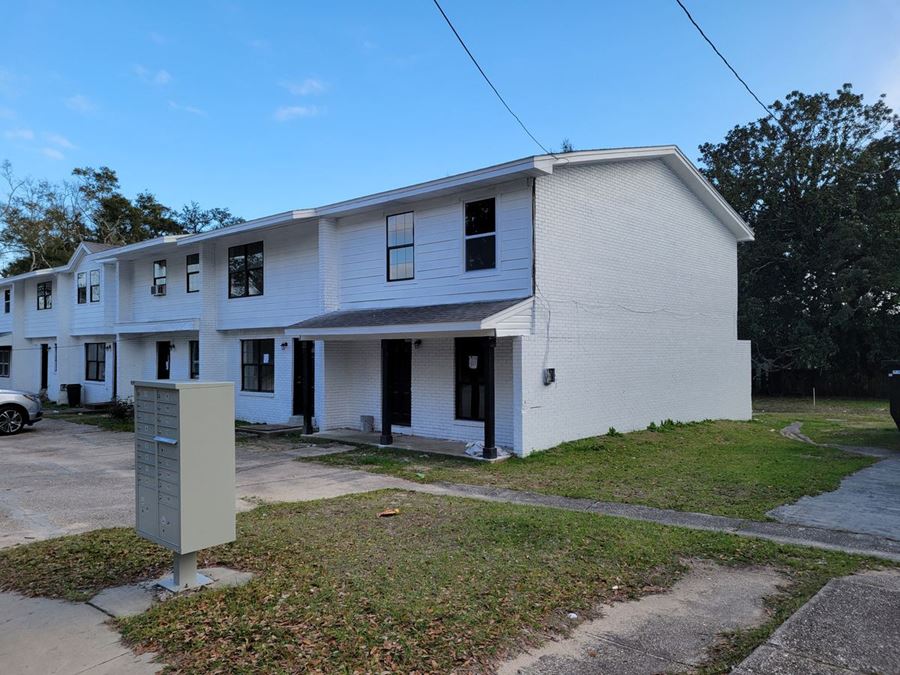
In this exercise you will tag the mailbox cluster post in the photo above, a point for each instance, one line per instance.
(184, 470)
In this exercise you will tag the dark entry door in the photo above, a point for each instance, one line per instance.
(45, 365)
(163, 358)
(304, 376)
(400, 365)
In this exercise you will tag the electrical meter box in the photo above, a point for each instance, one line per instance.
(184, 463)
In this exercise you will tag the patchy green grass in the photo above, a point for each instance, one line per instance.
(740, 469)
(449, 584)
(860, 422)
(101, 420)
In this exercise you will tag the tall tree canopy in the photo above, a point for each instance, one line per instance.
(820, 286)
(42, 223)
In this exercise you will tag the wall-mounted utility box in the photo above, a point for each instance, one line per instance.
(184, 463)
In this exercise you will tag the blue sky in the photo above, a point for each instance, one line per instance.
(264, 106)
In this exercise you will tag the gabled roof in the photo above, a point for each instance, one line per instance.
(535, 165)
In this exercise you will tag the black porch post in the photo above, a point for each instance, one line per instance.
(306, 354)
(386, 412)
(490, 449)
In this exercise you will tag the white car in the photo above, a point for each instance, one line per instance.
(18, 409)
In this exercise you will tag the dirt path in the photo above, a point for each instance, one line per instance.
(669, 632)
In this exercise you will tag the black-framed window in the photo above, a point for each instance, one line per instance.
(481, 235)
(401, 255)
(258, 365)
(469, 378)
(7, 300)
(192, 276)
(95, 285)
(45, 295)
(159, 272)
(245, 270)
(95, 361)
(194, 358)
(5, 361)
(81, 288)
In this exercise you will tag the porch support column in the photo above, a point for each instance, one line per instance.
(386, 408)
(306, 355)
(490, 449)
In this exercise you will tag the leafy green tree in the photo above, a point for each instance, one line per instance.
(820, 286)
(42, 223)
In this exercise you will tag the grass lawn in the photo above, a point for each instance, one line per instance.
(448, 584)
(101, 420)
(740, 469)
(838, 421)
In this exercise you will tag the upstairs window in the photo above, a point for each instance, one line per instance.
(192, 278)
(245, 270)
(400, 247)
(481, 235)
(95, 361)
(258, 365)
(81, 286)
(45, 295)
(95, 285)
(5, 360)
(7, 300)
(159, 272)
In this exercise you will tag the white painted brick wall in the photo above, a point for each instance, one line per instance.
(636, 301)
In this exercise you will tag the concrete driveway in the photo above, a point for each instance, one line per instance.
(62, 478)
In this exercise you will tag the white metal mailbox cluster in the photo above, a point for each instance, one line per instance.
(184, 468)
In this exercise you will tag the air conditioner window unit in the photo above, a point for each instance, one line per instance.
(158, 289)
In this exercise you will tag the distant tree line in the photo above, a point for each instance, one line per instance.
(819, 289)
(42, 223)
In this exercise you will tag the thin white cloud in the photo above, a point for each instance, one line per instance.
(307, 87)
(60, 140)
(9, 83)
(291, 112)
(80, 104)
(157, 38)
(19, 135)
(7, 113)
(158, 77)
(187, 108)
(52, 153)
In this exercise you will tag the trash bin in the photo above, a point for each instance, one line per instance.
(74, 392)
(894, 393)
(63, 397)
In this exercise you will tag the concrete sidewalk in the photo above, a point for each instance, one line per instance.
(852, 625)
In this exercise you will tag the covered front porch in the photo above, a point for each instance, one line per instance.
(422, 444)
(445, 374)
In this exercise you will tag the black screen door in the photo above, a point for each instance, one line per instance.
(45, 365)
(401, 382)
(163, 354)
(304, 364)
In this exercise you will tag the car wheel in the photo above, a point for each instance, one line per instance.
(12, 420)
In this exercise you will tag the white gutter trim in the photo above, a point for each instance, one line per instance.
(250, 225)
(118, 253)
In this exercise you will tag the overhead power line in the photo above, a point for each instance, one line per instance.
(730, 67)
(488, 80)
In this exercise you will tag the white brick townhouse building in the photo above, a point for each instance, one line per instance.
(522, 304)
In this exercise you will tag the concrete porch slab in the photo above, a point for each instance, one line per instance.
(431, 446)
(269, 429)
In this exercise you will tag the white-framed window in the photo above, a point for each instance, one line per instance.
(95, 361)
(481, 235)
(401, 255)
(45, 295)
(81, 287)
(95, 285)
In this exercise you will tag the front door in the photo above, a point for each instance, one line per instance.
(304, 367)
(163, 354)
(401, 382)
(45, 365)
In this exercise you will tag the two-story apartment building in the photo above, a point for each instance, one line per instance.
(522, 304)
